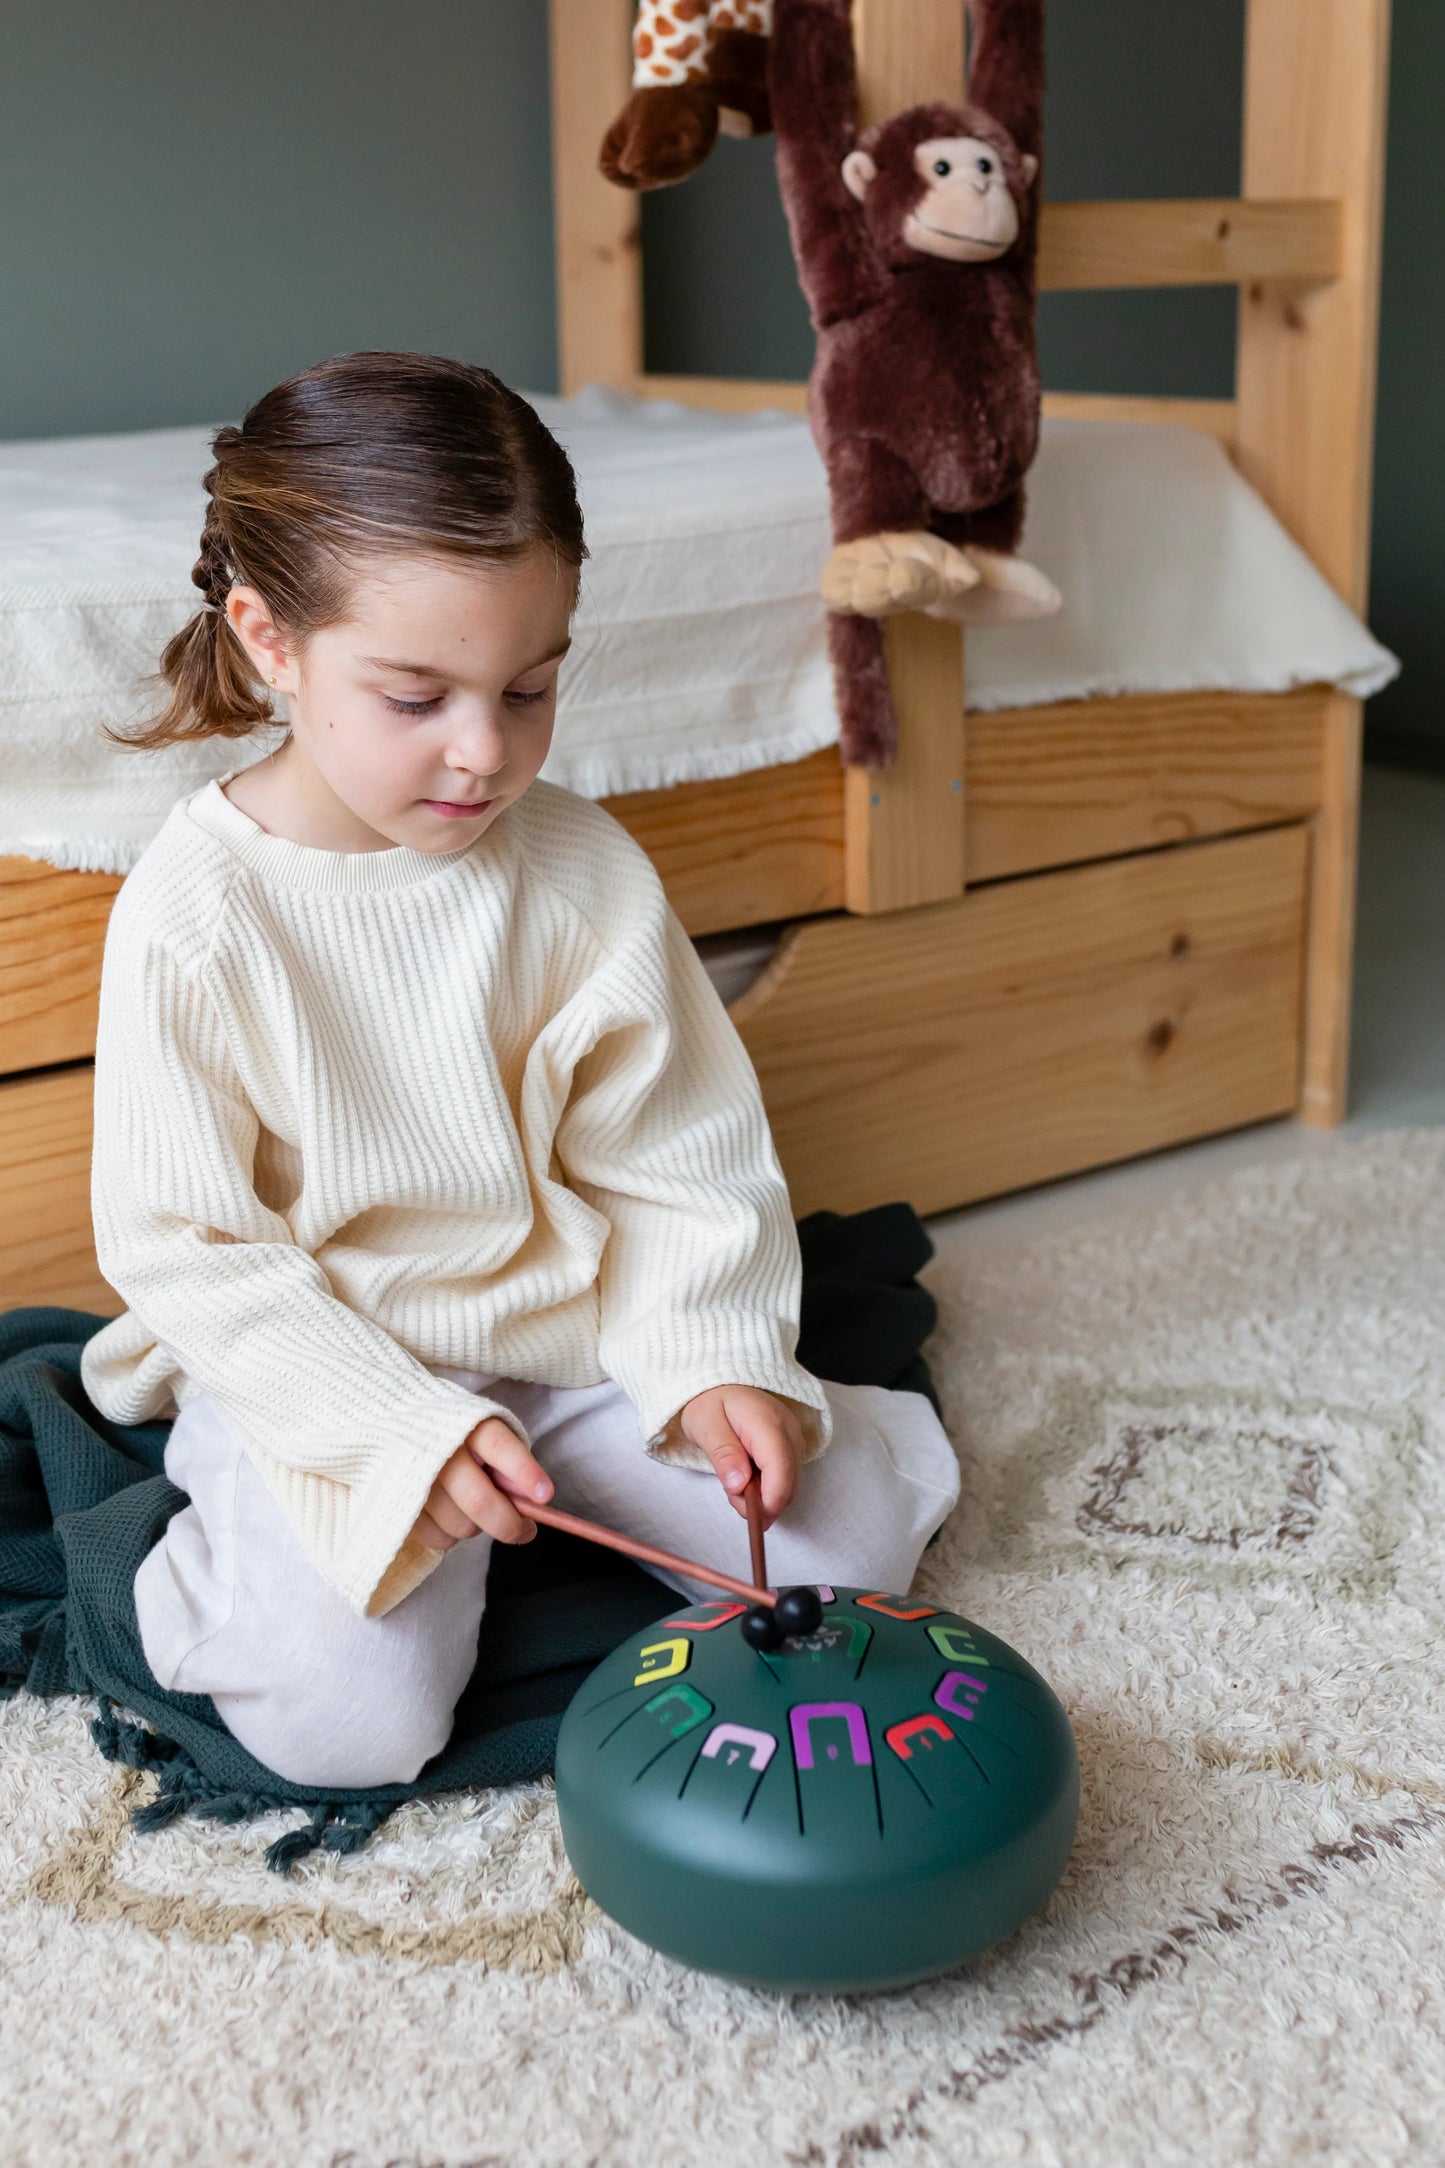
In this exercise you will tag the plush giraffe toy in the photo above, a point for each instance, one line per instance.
(699, 66)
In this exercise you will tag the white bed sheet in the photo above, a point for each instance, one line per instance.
(699, 644)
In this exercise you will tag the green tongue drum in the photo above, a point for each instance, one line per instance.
(859, 1806)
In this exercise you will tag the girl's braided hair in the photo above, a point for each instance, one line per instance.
(362, 456)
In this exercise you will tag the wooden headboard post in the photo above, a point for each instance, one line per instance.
(904, 826)
(597, 228)
(903, 829)
(1314, 126)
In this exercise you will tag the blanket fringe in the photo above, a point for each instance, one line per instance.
(337, 1825)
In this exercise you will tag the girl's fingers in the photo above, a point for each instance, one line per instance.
(710, 1428)
(496, 1446)
(470, 1488)
(429, 1535)
(773, 1437)
(448, 1514)
(780, 1476)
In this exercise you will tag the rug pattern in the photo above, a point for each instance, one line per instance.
(1204, 1455)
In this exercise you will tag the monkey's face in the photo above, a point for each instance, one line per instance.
(944, 195)
(966, 211)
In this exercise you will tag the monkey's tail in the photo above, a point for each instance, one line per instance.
(868, 734)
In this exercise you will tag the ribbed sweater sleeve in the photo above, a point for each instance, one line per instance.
(346, 1427)
(665, 1134)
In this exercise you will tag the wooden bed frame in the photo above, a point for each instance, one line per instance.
(1049, 938)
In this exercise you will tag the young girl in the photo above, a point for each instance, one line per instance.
(427, 1160)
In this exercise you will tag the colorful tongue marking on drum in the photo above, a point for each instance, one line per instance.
(827, 1737)
(661, 1659)
(959, 1694)
(722, 1610)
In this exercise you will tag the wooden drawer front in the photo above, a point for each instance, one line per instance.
(1034, 1028)
(52, 933)
(1092, 779)
(47, 1250)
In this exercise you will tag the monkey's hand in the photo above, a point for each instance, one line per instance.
(882, 574)
(663, 133)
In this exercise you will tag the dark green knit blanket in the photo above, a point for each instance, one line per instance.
(82, 1500)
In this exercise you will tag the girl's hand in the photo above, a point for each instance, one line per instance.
(464, 1501)
(741, 1427)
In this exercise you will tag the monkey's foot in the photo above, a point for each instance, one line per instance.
(881, 574)
(1009, 590)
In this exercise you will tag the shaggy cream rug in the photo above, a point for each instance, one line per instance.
(1205, 1493)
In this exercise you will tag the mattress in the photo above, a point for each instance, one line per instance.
(699, 645)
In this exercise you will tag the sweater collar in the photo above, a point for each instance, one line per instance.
(301, 865)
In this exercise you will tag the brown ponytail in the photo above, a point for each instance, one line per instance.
(364, 455)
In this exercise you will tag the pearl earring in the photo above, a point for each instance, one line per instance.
(273, 681)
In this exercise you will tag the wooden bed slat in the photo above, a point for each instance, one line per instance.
(1033, 1028)
(1214, 416)
(1187, 242)
(52, 931)
(47, 1246)
(742, 850)
(1096, 778)
(747, 395)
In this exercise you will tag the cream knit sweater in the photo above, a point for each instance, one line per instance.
(360, 1112)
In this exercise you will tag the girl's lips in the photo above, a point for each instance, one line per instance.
(453, 811)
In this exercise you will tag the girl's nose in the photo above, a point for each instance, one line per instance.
(482, 750)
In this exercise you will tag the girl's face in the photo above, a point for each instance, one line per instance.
(440, 685)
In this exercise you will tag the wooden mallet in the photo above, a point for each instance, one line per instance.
(773, 1616)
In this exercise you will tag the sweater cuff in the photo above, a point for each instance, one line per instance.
(381, 1562)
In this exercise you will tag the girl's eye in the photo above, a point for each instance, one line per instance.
(413, 707)
(525, 700)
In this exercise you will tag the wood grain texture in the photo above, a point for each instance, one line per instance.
(1314, 123)
(52, 932)
(1191, 242)
(907, 51)
(1033, 1028)
(1085, 779)
(750, 395)
(904, 825)
(743, 850)
(1214, 416)
(47, 1249)
(596, 226)
(1329, 951)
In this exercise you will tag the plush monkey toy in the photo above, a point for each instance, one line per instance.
(699, 66)
(915, 244)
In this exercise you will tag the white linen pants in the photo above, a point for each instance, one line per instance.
(229, 1604)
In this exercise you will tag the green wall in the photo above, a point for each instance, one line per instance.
(193, 204)
(196, 201)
